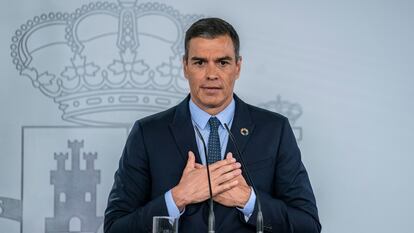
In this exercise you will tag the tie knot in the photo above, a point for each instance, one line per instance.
(214, 123)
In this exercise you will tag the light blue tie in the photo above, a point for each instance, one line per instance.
(214, 150)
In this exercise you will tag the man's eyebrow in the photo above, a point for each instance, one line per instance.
(198, 59)
(225, 58)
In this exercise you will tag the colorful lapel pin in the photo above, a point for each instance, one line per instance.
(244, 131)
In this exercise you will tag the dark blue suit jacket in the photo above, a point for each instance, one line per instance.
(156, 153)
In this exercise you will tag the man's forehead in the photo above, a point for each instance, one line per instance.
(220, 46)
(219, 42)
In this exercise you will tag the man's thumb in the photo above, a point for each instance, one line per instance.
(190, 162)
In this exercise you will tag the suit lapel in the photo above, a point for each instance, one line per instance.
(242, 126)
(183, 132)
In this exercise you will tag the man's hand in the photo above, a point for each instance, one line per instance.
(236, 196)
(193, 185)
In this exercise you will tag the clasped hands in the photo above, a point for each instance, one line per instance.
(227, 183)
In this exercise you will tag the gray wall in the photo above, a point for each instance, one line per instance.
(340, 70)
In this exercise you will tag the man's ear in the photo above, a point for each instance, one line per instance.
(238, 66)
(185, 66)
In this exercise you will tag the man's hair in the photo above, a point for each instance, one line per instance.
(211, 28)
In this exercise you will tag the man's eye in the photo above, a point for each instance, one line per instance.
(223, 63)
(199, 63)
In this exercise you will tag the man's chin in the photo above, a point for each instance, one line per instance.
(214, 104)
(210, 102)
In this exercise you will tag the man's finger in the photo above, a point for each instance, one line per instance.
(190, 162)
(227, 168)
(223, 178)
(221, 163)
(229, 155)
(225, 187)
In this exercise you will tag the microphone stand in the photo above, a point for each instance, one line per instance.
(211, 217)
(259, 220)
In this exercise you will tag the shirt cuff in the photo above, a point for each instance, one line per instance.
(172, 208)
(249, 207)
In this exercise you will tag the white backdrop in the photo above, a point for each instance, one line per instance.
(340, 70)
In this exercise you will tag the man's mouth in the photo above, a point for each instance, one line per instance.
(211, 88)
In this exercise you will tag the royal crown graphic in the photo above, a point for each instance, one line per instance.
(292, 111)
(105, 62)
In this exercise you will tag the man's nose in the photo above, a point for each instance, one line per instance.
(211, 71)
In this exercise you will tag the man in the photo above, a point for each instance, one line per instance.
(162, 171)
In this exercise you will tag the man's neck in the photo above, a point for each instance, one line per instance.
(213, 111)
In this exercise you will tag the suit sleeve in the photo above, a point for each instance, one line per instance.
(292, 206)
(130, 206)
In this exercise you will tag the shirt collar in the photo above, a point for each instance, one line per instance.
(201, 117)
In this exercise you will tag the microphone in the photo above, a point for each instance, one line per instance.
(259, 220)
(211, 217)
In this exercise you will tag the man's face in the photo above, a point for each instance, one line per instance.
(211, 70)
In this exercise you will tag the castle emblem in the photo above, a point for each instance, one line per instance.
(75, 193)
